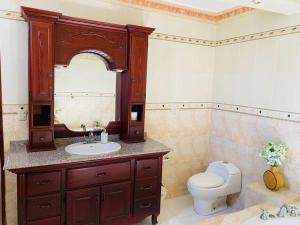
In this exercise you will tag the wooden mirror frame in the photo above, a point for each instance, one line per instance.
(53, 40)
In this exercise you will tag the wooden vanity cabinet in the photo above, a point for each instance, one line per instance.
(118, 192)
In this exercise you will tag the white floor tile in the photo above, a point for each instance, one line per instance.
(180, 211)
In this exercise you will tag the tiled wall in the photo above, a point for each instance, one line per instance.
(238, 137)
(186, 132)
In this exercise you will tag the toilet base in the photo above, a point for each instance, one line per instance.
(207, 207)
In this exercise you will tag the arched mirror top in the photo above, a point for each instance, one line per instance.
(85, 93)
(104, 57)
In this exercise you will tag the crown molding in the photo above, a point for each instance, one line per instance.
(157, 5)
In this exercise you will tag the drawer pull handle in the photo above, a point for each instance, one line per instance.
(101, 174)
(43, 182)
(137, 132)
(103, 196)
(42, 138)
(145, 206)
(44, 206)
(116, 192)
(145, 188)
(83, 198)
(147, 168)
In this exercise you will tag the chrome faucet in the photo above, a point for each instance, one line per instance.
(284, 209)
(264, 215)
(88, 139)
(83, 126)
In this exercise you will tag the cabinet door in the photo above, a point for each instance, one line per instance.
(139, 49)
(116, 202)
(83, 207)
(41, 60)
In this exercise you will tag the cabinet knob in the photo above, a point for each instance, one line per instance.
(116, 192)
(44, 206)
(101, 174)
(50, 74)
(137, 132)
(43, 182)
(42, 138)
(147, 168)
(145, 188)
(145, 206)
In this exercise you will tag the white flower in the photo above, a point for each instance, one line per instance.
(273, 154)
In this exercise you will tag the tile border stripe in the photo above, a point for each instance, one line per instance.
(261, 112)
(181, 39)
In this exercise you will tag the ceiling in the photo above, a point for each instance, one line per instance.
(286, 7)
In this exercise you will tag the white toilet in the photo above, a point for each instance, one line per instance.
(210, 189)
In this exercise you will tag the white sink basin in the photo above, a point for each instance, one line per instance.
(92, 149)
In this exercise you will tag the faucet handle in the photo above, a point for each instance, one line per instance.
(292, 211)
(264, 214)
(83, 126)
(97, 124)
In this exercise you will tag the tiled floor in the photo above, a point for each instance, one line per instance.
(179, 211)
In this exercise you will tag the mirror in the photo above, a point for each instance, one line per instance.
(85, 93)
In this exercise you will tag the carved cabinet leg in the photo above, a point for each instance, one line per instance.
(154, 219)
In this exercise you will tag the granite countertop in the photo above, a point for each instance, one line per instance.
(18, 157)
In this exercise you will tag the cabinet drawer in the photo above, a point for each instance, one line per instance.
(136, 132)
(146, 188)
(42, 137)
(43, 207)
(48, 221)
(147, 168)
(98, 174)
(41, 183)
(146, 206)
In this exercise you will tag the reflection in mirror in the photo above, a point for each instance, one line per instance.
(85, 93)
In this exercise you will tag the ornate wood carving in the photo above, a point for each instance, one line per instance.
(73, 39)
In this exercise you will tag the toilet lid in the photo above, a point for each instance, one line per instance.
(206, 180)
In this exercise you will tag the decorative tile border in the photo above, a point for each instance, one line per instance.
(13, 109)
(269, 113)
(187, 40)
(260, 35)
(234, 40)
(84, 94)
(261, 112)
(11, 15)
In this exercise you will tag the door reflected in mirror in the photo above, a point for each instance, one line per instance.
(85, 93)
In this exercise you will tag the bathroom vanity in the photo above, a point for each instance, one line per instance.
(56, 188)
(67, 88)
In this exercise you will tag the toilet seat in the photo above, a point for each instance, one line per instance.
(206, 180)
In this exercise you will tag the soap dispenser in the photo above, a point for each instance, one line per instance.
(104, 136)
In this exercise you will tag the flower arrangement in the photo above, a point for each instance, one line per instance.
(273, 154)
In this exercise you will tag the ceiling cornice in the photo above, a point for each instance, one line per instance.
(184, 11)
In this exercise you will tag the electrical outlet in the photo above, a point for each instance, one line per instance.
(22, 114)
